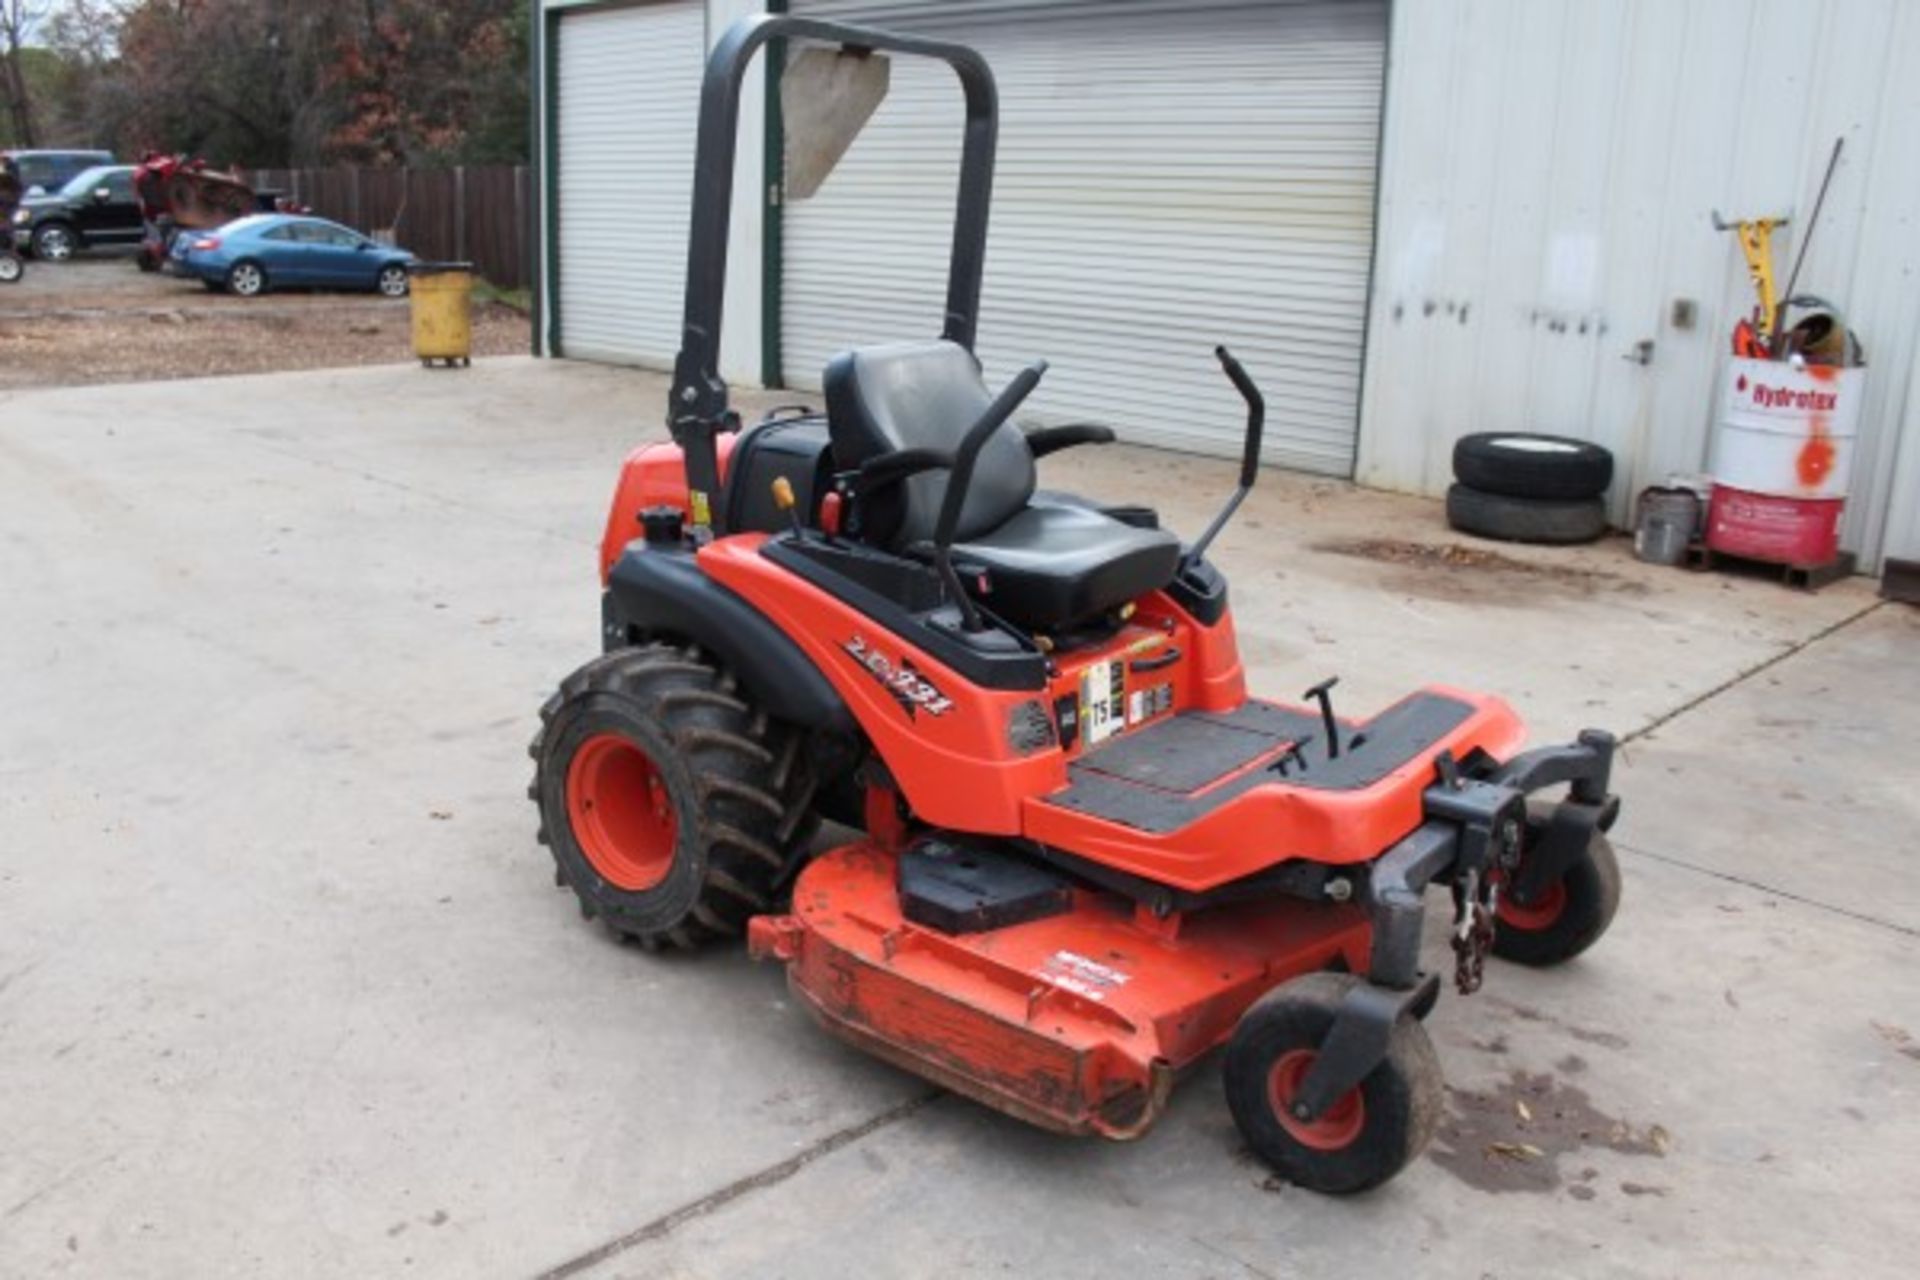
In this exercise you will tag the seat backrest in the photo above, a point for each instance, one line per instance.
(923, 395)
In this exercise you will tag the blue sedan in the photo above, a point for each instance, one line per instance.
(279, 250)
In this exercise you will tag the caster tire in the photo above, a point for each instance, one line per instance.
(673, 808)
(1569, 917)
(1364, 1138)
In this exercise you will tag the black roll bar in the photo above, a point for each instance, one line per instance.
(697, 405)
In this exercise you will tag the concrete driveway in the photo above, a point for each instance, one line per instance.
(286, 989)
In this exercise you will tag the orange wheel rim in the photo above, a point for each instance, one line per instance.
(621, 814)
(1337, 1126)
(1536, 916)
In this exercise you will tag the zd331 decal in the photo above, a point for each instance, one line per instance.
(909, 688)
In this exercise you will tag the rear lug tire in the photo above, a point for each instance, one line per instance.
(672, 806)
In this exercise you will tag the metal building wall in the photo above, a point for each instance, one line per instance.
(1172, 174)
(1547, 176)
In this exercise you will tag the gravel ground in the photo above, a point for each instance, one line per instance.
(100, 321)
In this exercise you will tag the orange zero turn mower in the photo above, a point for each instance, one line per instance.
(1083, 856)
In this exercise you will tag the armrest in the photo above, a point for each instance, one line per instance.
(964, 457)
(1045, 440)
(891, 468)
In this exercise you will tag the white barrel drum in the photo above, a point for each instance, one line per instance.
(1782, 460)
(1788, 432)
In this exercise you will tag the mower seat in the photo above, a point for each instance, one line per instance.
(1049, 564)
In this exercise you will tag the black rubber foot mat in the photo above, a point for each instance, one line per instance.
(1153, 779)
(1195, 748)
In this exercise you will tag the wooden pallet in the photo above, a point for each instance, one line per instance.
(1900, 580)
(1803, 577)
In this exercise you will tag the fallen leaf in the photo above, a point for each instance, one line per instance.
(1515, 1150)
(1660, 1139)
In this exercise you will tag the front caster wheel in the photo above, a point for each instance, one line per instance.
(1568, 917)
(671, 805)
(1365, 1137)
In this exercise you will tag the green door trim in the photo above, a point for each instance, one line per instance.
(773, 232)
(547, 100)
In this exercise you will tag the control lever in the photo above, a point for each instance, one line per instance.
(783, 499)
(1249, 456)
(1323, 694)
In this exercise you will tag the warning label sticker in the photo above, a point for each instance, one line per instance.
(1103, 700)
(1144, 704)
(1071, 971)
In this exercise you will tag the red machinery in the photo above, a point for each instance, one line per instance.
(1087, 857)
(181, 194)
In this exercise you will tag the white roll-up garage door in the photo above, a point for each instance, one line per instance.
(1172, 175)
(628, 85)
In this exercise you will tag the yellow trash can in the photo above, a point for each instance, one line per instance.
(442, 325)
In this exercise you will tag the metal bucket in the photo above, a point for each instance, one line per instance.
(1665, 524)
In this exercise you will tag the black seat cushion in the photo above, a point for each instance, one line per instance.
(1126, 512)
(1056, 564)
(1052, 560)
(923, 395)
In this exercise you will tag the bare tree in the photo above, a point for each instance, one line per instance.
(87, 31)
(17, 18)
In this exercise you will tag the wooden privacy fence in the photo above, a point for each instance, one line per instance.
(473, 213)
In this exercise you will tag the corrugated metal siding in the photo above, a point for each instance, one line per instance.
(1548, 175)
(1902, 537)
(628, 88)
(1171, 176)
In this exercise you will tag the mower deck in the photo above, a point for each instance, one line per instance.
(1076, 1022)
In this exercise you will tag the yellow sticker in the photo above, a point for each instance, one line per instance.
(702, 514)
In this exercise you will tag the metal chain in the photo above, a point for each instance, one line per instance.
(1472, 930)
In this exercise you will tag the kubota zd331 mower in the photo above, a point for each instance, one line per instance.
(1085, 857)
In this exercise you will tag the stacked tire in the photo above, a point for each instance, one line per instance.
(1524, 487)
